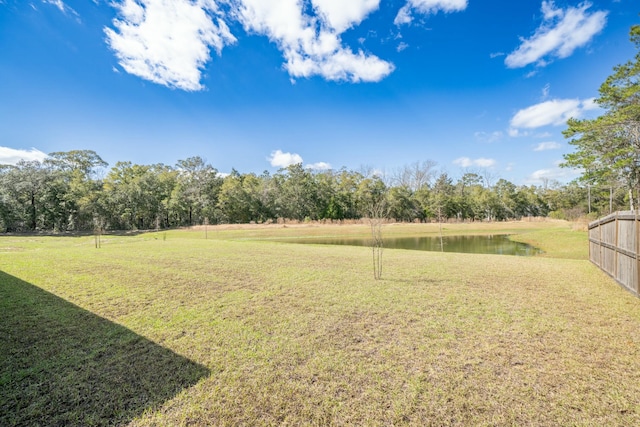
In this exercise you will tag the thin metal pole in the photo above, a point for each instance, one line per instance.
(610, 199)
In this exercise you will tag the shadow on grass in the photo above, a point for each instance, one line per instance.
(63, 365)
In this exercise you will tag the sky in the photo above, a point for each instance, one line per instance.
(254, 85)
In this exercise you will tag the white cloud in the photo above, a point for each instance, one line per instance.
(11, 156)
(342, 15)
(515, 133)
(278, 159)
(489, 137)
(545, 146)
(312, 45)
(541, 174)
(64, 8)
(545, 91)
(402, 46)
(484, 163)
(554, 112)
(167, 41)
(426, 7)
(403, 16)
(466, 162)
(57, 3)
(320, 166)
(555, 173)
(590, 104)
(561, 32)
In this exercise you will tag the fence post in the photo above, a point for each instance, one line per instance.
(589, 231)
(617, 246)
(600, 243)
(637, 237)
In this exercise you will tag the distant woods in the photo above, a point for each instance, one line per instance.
(75, 191)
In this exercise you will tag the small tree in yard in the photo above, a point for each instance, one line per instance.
(378, 212)
(372, 196)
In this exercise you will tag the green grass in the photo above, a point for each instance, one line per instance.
(240, 330)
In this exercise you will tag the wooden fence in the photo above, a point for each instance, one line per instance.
(614, 245)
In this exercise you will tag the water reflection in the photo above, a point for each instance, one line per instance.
(498, 244)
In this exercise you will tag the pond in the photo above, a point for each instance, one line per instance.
(497, 244)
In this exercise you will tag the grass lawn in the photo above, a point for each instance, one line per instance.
(171, 329)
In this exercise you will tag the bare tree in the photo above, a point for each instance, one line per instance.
(368, 171)
(489, 177)
(378, 212)
(414, 176)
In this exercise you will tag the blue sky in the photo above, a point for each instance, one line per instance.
(482, 86)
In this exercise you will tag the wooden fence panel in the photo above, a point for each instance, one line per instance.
(609, 233)
(594, 253)
(627, 236)
(614, 246)
(609, 261)
(627, 273)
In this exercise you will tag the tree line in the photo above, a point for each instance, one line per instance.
(74, 191)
